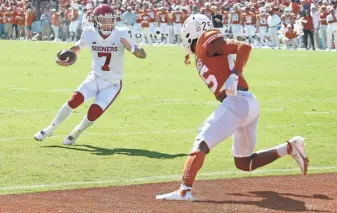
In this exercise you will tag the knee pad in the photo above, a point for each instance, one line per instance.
(94, 112)
(76, 100)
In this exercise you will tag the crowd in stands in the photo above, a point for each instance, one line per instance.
(311, 24)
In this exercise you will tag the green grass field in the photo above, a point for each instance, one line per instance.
(145, 134)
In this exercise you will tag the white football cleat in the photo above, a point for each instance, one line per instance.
(298, 153)
(46, 132)
(70, 139)
(177, 195)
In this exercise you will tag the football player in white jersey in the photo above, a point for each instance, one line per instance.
(104, 82)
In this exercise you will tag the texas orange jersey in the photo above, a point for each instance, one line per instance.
(163, 17)
(138, 14)
(288, 19)
(177, 17)
(236, 17)
(249, 18)
(152, 13)
(216, 69)
(145, 19)
(262, 20)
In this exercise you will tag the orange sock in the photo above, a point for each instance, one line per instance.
(192, 166)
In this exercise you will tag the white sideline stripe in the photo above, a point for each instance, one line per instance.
(172, 131)
(155, 178)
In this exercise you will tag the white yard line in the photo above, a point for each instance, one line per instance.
(155, 178)
(319, 112)
(170, 131)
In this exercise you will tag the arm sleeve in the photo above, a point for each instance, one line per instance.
(82, 43)
(242, 51)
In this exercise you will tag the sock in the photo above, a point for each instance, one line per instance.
(192, 166)
(283, 149)
(63, 113)
(85, 123)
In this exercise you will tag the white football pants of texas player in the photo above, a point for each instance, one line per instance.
(332, 30)
(73, 26)
(273, 33)
(177, 28)
(237, 30)
(262, 32)
(237, 116)
(105, 92)
(146, 32)
(137, 31)
(293, 42)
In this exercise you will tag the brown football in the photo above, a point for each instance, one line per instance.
(67, 56)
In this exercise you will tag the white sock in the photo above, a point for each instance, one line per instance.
(282, 149)
(184, 188)
(85, 123)
(63, 113)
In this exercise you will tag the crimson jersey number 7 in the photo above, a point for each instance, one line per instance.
(107, 56)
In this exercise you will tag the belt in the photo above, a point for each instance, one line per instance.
(221, 98)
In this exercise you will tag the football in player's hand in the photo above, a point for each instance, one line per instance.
(66, 58)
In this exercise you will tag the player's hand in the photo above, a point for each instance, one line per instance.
(62, 63)
(231, 85)
(125, 43)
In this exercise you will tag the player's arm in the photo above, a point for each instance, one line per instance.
(226, 47)
(138, 51)
(80, 44)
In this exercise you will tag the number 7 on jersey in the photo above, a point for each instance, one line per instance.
(107, 56)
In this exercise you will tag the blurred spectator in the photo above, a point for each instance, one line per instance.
(217, 18)
(45, 25)
(315, 19)
(21, 23)
(29, 18)
(55, 24)
(332, 27)
(2, 22)
(273, 21)
(308, 29)
(323, 26)
(8, 22)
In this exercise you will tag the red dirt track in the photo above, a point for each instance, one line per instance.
(313, 193)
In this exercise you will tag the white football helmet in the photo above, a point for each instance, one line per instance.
(287, 10)
(263, 10)
(193, 27)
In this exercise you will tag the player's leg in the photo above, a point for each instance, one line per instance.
(103, 100)
(329, 37)
(217, 127)
(85, 92)
(244, 141)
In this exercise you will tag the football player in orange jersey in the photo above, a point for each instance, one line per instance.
(163, 20)
(177, 21)
(153, 25)
(236, 21)
(262, 25)
(287, 18)
(138, 26)
(249, 22)
(238, 113)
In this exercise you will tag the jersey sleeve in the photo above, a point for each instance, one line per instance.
(83, 43)
(206, 39)
(242, 51)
